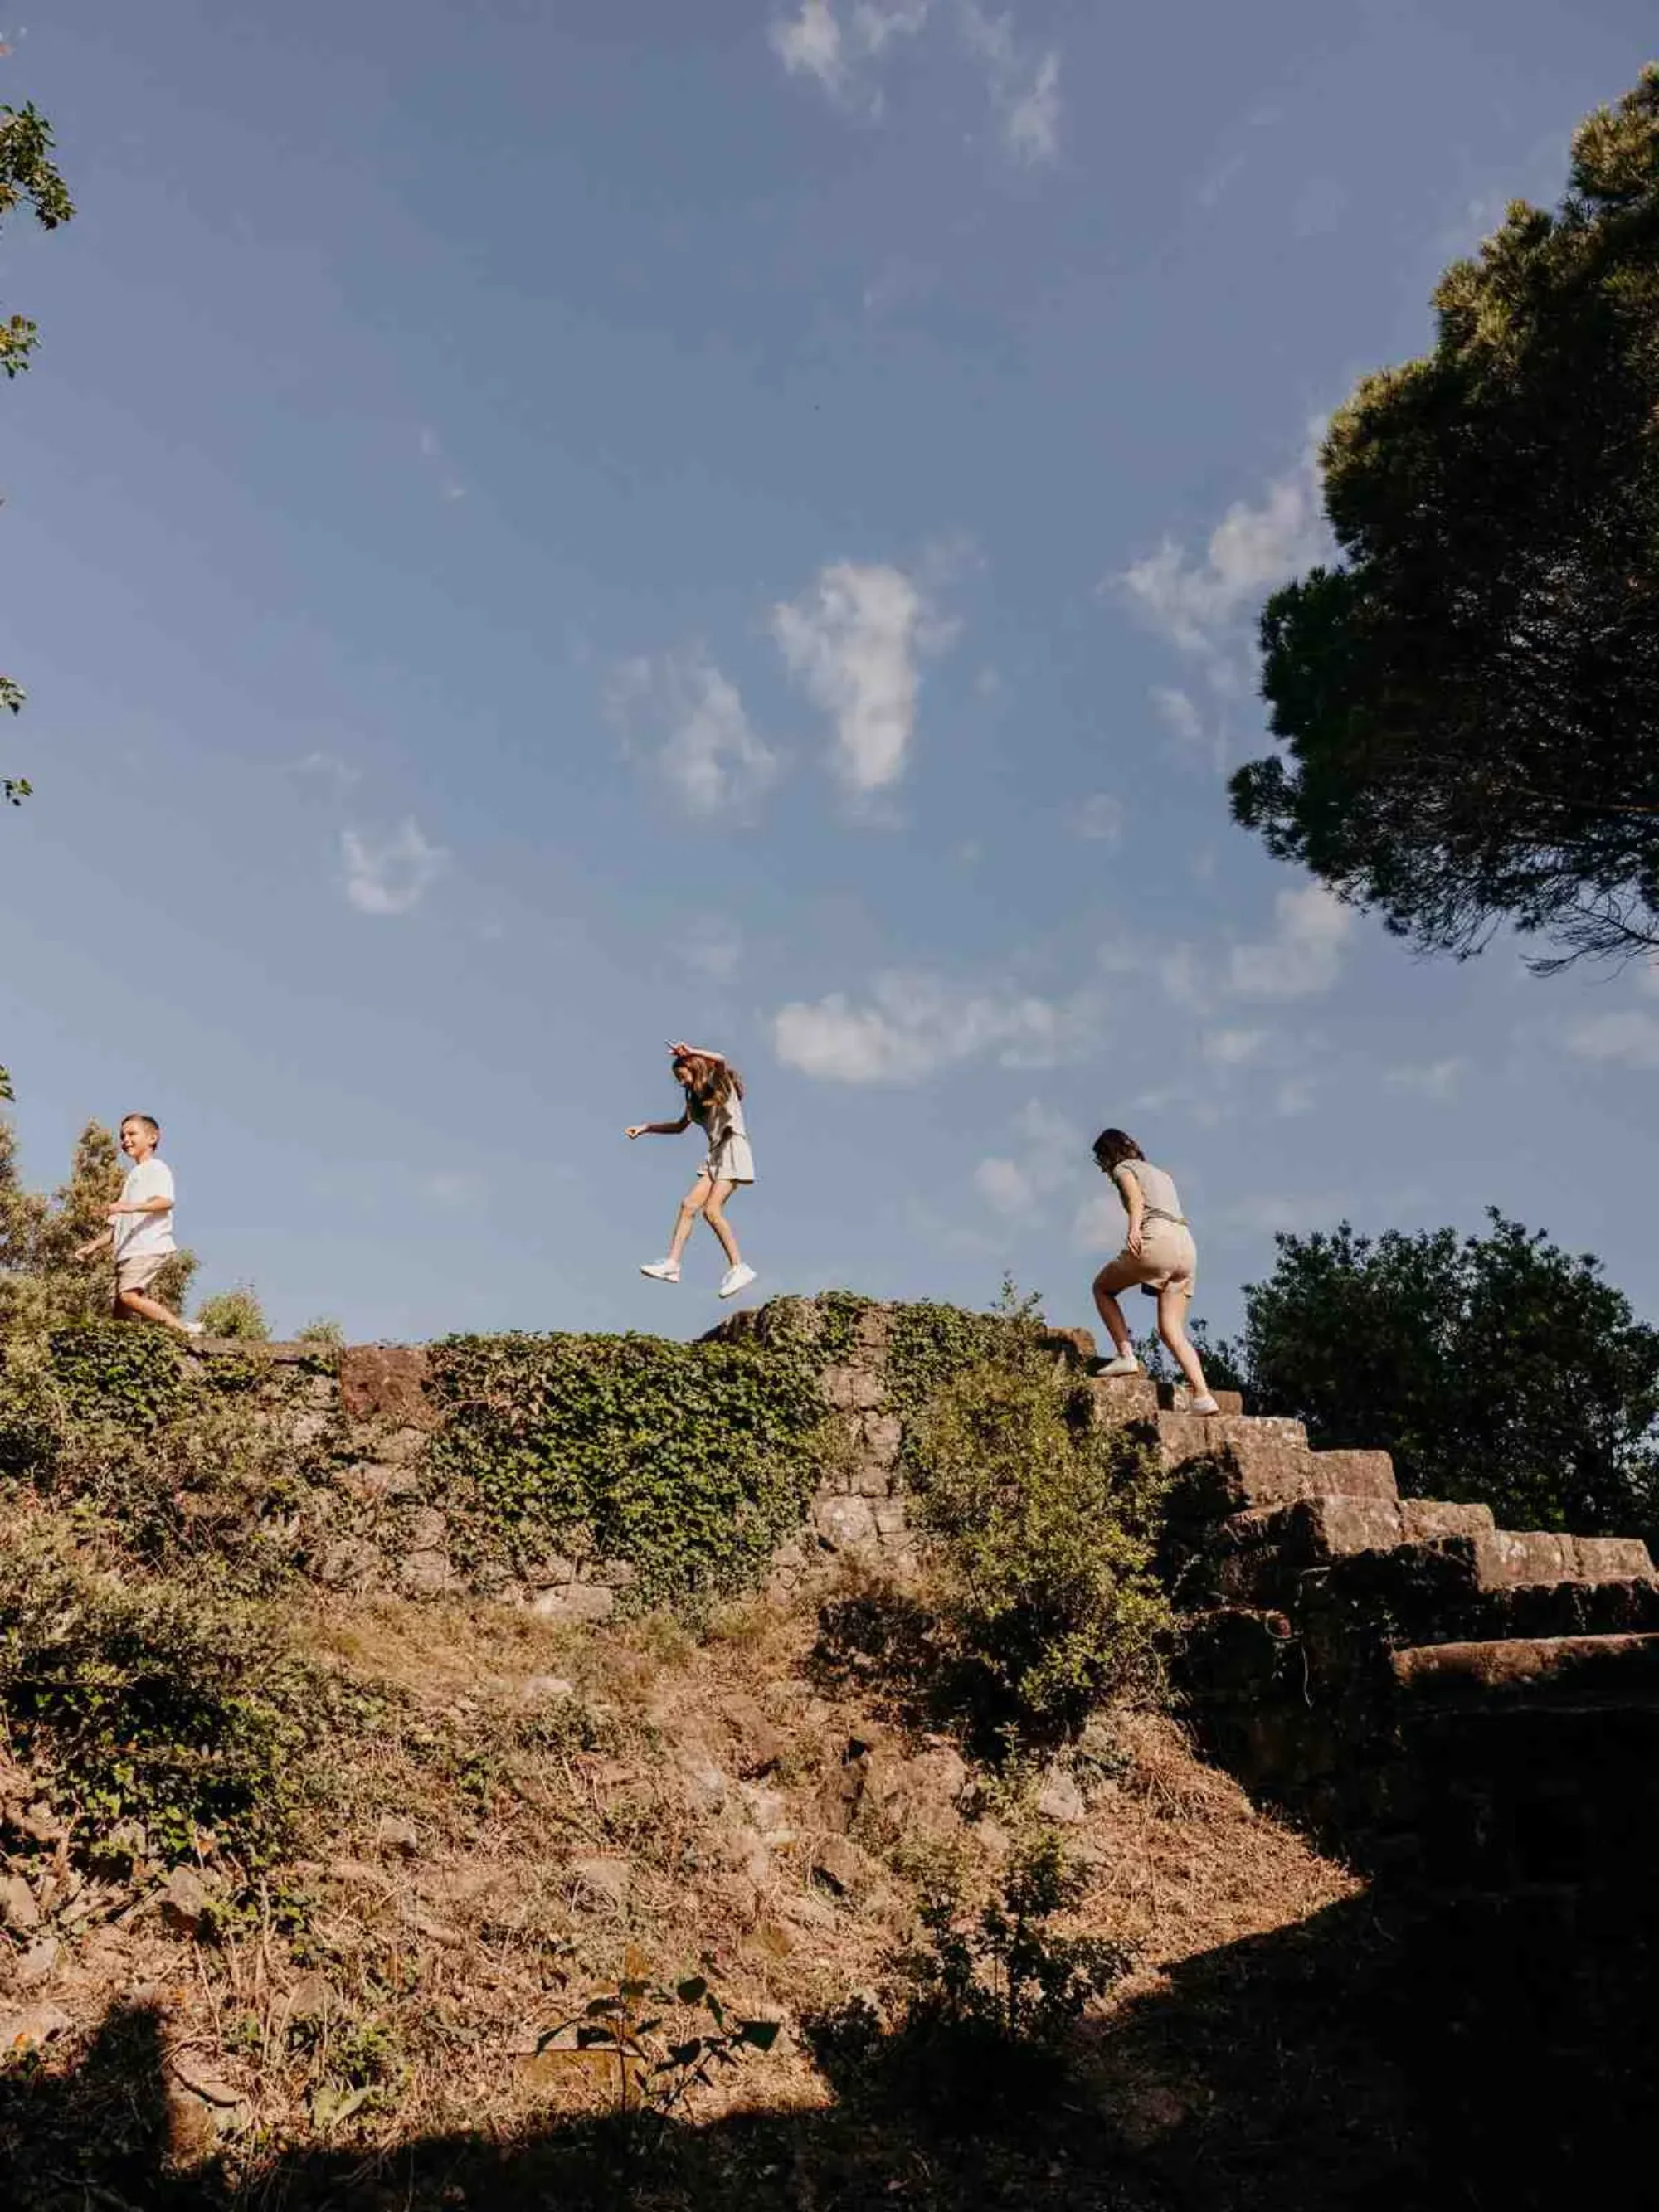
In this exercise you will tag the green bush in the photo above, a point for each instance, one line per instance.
(984, 2000)
(1045, 1524)
(322, 1332)
(235, 1313)
(692, 1461)
(153, 1702)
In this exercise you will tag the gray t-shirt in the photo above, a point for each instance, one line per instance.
(1157, 1191)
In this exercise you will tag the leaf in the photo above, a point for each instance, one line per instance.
(760, 2034)
(332, 2104)
(693, 1991)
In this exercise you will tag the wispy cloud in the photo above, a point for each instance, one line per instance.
(439, 466)
(393, 874)
(1197, 605)
(1435, 1079)
(840, 44)
(1627, 1038)
(453, 1191)
(843, 46)
(687, 720)
(1099, 818)
(854, 642)
(1234, 1048)
(1303, 956)
(711, 947)
(1024, 85)
(913, 1025)
(1049, 1149)
(327, 768)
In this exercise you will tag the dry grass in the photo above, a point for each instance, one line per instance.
(536, 1803)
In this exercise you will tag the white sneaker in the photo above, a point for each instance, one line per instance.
(662, 1271)
(737, 1278)
(1125, 1363)
(1205, 1405)
(194, 1328)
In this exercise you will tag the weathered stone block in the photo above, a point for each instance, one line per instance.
(576, 1603)
(890, 1517)
(387, 1381)
(842, 1521)
(1426, 1519)
(852, 1389)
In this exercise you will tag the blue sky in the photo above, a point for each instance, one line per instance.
(540, 528)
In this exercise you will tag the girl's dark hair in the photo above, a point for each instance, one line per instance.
(1114, 1146)
(711, 1082)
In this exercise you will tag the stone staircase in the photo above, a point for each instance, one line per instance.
(1347, 1650)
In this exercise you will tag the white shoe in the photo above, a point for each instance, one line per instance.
(1125, 1363)
(737, 1278)
(662, 1271)
(1205, 1405)
(194, 1328)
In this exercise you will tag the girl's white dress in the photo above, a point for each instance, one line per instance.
(730, 1160)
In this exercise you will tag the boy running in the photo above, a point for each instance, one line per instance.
(140, 1232)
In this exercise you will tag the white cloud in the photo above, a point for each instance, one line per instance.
(1303, 954)
(1233, 1048)
(853, 642)
(451, 1191)
(1024, 87)
(450, 485)
(1197, 604)
(707, 751)
(391, 874)
(1437, 1080)
(1049, 1150)
(914, 1025)
(838, 46)
(1099, 817)
(1179, 716)
(1629, 1038)
(328, 768)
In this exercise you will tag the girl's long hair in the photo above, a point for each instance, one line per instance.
(710, 1082)
(1113, 1147)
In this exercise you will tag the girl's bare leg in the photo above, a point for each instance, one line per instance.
(690, 1206)
(713, 1213)
(131, 1303)
(1114, 1276)
(1173, 1300)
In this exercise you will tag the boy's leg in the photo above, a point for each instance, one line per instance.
(714, 1214)
(130, 1304)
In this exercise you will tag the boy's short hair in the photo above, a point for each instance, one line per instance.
(148, 1120)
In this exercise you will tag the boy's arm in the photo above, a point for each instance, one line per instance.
(94, 1244)
(144, 1206)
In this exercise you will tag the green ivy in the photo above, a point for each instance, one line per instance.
(113, 1371)
(692, 1461)
(154, 1702)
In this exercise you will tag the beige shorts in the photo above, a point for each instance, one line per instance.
(731, 1161)
(140, 1271)
(1167, 1255)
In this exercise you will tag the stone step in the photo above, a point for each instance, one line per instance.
(1225, 1466)
(1574, 1672)
(1506, 1556)
(1176, 1398)
(1262, 1551)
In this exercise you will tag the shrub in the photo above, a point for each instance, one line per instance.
(986, 2000)
(235, 1313)
(691, 1460)
(153, 1703)
(1044, 1523)
(323, 1332)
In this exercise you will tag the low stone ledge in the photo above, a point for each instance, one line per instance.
(1564, 1672)
(323, 1357)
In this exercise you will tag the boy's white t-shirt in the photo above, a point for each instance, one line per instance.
(138, 1236)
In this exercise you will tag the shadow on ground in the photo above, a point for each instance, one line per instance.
(1338, 2066)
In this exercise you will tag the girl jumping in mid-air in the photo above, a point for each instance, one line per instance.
(1158, 1253)
(713, 1100)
